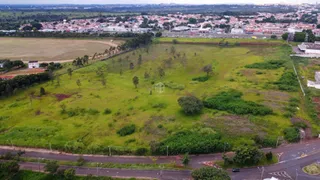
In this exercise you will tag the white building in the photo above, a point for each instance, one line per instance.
(315, 84)
(310, 48)
(237, 31)
(1, 64)
(33, 64)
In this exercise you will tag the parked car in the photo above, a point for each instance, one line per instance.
(235, 170)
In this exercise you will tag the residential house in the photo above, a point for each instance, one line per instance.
(33, 64)
(310, 48)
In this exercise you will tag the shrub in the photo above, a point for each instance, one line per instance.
(127, 130)
(231, 101)
(141, 151)
(92, 111)
(107, 111)
(201, 78)
(159, 105)
(292, 134)
(190, 142)
(269, 156)
(247, 155)
(288, 82)
(42, 91)
(190, 104)
(51, 167)
(273, 64)
(175, 41)
(300, 125)
(206, 173)
(173, 85)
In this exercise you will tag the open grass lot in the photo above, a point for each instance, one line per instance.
(46, 49)
(72, 116)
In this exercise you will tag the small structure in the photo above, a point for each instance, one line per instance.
(1, 64)
(310, 48)
(159, 87)
(315, 84)
(33, 64)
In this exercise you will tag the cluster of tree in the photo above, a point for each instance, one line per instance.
(8, 169)
(309, 18)
(189, 142)
(231, 101)
(246, 156)
(206, 173)
(34, 26)
(51, 66)
(272, 19)
(67, 34)
(273, 64)
(288, 82)
(81, 61)
(9, 65)
(8, 87)
(140, 40)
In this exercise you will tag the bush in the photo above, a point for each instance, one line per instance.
(174, 41)
(300, 125)
(158, 34)
(231, 101)
(107, 111)
(292, 134)
(141, 151)
(288, 82)
(190, 142)
(206, 173)
(269, 156)
(127, 130)
(190, 104)
(80, 161)
(274, 36)
(247, 155)
(201, 78)
(51, 167)
(173, 85)
(273, 64)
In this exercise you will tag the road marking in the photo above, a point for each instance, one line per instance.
(281, 174)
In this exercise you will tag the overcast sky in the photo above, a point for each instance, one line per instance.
(153, 1)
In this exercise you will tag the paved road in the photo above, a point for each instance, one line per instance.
(292, 158)
(165, 175)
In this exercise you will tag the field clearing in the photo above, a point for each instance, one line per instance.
(46, 49)
(85, 127)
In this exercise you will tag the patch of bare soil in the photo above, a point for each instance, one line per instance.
(61, 97)
(276, 96)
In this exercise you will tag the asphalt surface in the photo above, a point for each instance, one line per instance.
(292, 158)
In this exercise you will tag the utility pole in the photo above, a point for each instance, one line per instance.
(109, 150)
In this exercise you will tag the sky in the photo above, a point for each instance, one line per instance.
(155, 1)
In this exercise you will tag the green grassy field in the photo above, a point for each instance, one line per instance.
(38, 121)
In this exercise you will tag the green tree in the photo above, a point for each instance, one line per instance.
(135, 81)
(190, 104)
(69, 173)
(78, 83)
(269, 156)
(51, 167)
(8, 169)
(285, 36)
(192, 21)
(186, 159)
(207, 69)
(80, 161)
(139, 60)
(42, 91)
(209, 173)
(158, 34)
(161, 72)
(69, 72)
(299, 36)
(274, 36)
(247, 155)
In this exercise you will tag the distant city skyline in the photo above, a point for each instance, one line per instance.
(156, 1)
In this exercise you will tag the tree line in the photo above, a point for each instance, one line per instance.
(8, 65)
(8, 87)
